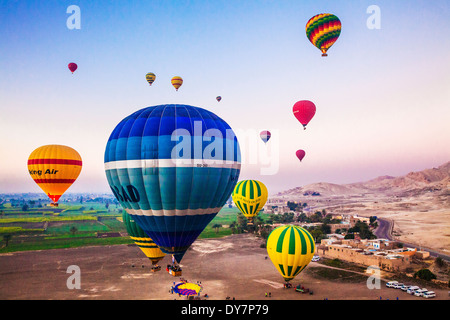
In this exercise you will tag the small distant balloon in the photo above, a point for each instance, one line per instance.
(265, 135)
(150, 77)
(177, 82)
(304, 111)
(219, 98)
(300, 154)
(73, 67)
(323, 30)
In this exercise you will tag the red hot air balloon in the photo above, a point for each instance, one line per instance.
(304, 111)
(300, 154)
(73, 67)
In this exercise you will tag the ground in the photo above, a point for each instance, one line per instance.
(234, 266)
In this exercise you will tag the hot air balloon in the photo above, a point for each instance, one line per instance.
(150, 78)
(54, 168)
(304, 111)
(291, 249)
(300, 154)
(73, 67)
(250, 196)
(265, 136)
(177, 82)
(142, 240)
(169, 174)
(219, 98)
(323, 30)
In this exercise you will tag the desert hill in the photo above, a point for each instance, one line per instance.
(414, 183)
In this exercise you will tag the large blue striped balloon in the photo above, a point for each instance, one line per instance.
(172, 167)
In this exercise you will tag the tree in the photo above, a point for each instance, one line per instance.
(73, 230)
(440, 262)
(25, 207)
(7, 238)
(317, 234)
(302, 218)
(292, 205)
(265, 231)
(326, 229)
(233, 227)
(425, 274)
(217, 227)
(363, 230)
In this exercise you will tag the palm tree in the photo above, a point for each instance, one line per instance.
(217, 227)
(7, 238)
(73, 230)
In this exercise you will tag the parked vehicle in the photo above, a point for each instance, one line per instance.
(420, 292)
(391, 284)
(315, 258)
(398, 285)
(405, 287)
(412, 290)
(429, 294)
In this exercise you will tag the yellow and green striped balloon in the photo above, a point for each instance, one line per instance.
(250, 196)
(142, 240)
(291, 249)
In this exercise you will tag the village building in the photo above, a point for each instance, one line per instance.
(382, 253)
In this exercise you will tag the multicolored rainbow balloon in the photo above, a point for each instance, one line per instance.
(323, 30)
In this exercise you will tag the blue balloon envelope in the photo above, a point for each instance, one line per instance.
(172, 168)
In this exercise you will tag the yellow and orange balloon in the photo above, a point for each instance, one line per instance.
(177, 82)
(54, 168)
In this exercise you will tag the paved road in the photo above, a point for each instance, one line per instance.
(384, 231)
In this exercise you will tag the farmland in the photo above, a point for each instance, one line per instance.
(76, 225)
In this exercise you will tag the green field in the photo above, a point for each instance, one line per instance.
(74, 225)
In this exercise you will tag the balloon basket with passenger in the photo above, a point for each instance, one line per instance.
(174, 270)
(155, 268)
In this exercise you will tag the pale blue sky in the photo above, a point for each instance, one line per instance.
(382, 96)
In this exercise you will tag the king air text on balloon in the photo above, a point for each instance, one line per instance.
(39, 172)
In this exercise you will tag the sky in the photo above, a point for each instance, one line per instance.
(382, 95)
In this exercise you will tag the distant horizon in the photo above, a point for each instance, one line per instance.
(109, 192)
